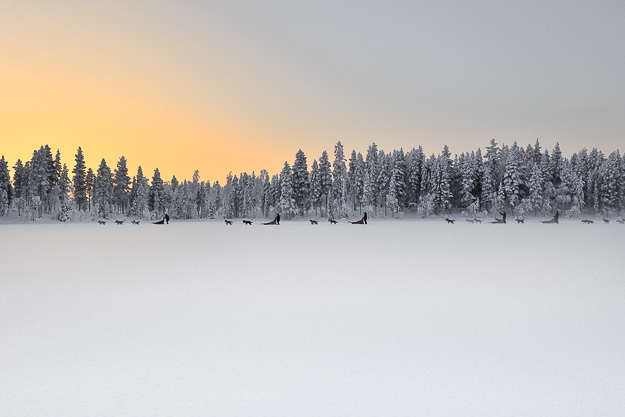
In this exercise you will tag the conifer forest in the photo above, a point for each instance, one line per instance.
(529, 181)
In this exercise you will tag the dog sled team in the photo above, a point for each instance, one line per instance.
(363, 220)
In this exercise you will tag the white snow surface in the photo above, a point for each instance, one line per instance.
(395, 318)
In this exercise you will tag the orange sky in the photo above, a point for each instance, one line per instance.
(241, 86)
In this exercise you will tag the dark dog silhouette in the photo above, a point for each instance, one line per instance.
(450, 220)
(587, 221)
(314, 222)
(119, 221)
(135, 222)
(228, 222)
(520, 221)
(102, 222)
(332, 221)
(247, 222)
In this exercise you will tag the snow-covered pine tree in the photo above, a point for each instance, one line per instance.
(413, 176)
(316, 190)
(216, 194)
(103, 191)
(20, 186)
(398, 163)
(339, 175)
(287, 202)
(325, 180)
(64, 186)
(556, 164)
(512, 178)
(301, 186)
(156, 195)
(139, 194)
(351, 175)
(392, 203)
(80, 175)
(371, 192)
(359, 183)
(609, 184)
(494, 161)
(467, 175)
(6, 191)
(121, 188)
(536, 188)
(89, 183)
(384, 177)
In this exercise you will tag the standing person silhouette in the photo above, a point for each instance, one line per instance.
(278, 219)
(364, 217)
(167, 218)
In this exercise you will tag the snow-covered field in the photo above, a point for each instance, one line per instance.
(395, 318)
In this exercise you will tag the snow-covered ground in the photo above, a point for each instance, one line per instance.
(395, 318)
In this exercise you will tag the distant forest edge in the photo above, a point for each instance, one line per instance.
(524, 181)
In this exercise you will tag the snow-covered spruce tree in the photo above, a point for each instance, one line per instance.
(103, 191)
(609, 184)
(494, 161)
(325, 180)
(64, 187)
(512, 178)
(536, 188)
(467, 175)
(247, 197)
(315, 187)
(415, 159)
(358, 187)
(371, 192)
(20, 186)
(39, 181)
(392, 202)
(89, 183)
(139, 194)
(621, 183)
(215, 198)
(301, 186)
(80, 176)
(398, 164)
(121, 189)
(6, 191)
(156, 195)
(339, 175)
(351, 174)
(489, 190)
(287, 202)
(441, 184)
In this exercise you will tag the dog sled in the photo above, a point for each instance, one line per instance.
(161, 222)
(361, 221)
(273, 222)
(554, 220)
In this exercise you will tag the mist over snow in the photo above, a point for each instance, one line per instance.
(400, 318)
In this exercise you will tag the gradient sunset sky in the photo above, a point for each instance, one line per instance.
(242, 85)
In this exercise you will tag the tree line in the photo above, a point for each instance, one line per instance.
(525, 181)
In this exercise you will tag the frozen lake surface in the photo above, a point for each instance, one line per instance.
(395, 318)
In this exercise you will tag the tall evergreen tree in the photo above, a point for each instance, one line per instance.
(156, 195)
(103, 191)
(287, 202)
(80, 175)
(89, 183)
(301, 186)
(339, 184)
(121, 190)
(6, 191)
(325, 180)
